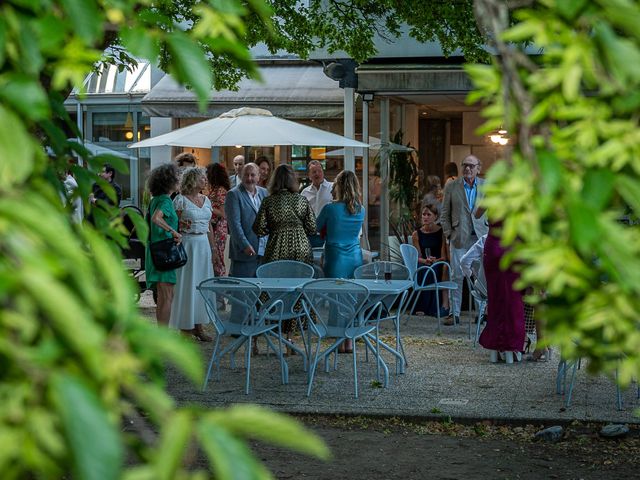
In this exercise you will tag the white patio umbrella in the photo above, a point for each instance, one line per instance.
(374, 144)
(247, 127)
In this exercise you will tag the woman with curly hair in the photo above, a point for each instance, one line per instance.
(162, 182)
(219, 185)
(194, 212)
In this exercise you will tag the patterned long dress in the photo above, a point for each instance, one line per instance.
(288, 220)
(219, 225)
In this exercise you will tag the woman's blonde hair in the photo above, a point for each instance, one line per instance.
(189, 182)
(347, 190)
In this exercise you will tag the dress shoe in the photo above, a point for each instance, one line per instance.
(449, 321)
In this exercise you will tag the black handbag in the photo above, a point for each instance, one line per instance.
(166, 254)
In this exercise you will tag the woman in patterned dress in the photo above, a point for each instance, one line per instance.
(218, 187)
(287, 218)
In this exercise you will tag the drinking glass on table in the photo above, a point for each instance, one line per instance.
(427, 253)
(376, 268)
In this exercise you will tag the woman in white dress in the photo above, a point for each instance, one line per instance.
(188, 312)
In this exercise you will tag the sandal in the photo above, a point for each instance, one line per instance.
(199, 334)
(538, 356)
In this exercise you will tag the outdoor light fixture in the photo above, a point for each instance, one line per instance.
(367, 97)
(128, 135)
(500, 136)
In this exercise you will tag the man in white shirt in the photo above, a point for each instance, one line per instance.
(318, 194)
(236, 178)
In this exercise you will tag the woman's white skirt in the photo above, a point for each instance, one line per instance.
(187, 308)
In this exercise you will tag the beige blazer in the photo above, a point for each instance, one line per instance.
(457, 220)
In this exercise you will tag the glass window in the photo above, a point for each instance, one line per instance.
(112, 127)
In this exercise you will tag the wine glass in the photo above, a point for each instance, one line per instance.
(376, 269)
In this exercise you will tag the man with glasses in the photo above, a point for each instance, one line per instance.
(459, 223)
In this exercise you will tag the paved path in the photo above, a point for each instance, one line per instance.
(446, 376)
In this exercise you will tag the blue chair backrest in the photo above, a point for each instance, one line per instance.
(230, 302)
(285, 269)
(409, 257)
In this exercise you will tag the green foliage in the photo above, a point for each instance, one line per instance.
(78, 361)
(403, 179)
(568, 196)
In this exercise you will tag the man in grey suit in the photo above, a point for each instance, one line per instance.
(460, 226)
(241, 207)
(238, 163)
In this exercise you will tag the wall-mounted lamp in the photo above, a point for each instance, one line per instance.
(128, 135)
(500, 137)
(367, 97)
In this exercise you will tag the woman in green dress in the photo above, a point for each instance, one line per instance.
(162, 182)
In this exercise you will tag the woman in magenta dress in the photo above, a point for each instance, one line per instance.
(504, 334)
(218, 188)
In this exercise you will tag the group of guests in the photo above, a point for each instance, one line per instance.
(267, 219)
(264, 225)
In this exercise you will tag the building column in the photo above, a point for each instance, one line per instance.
(384, 177)
(349, 127)
(160, 155)
(365, 165)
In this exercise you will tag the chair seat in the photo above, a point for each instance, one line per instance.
(446, 285)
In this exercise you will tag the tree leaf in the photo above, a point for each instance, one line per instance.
(93, 439)
(191, 66)
(85, 18)
(259, 423)
(25, 95)
(597, 187)
(174, 441)
(141, 42)
(16, 150)
(230, 458)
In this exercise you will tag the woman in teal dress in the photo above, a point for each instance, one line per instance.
(340, 224)
(162, 182)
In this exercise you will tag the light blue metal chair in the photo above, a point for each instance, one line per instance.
(333, 311)
(242, 319)
(425, 285)
(564, 366)
(479, 296)
(409, 255)
(398, 272)
(292, 309)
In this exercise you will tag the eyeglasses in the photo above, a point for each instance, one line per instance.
(469, 165)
